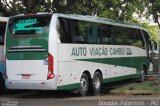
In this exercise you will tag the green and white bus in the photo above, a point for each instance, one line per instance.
(68, 51)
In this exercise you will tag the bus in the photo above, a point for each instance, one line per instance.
(3, 22)
(73, 52)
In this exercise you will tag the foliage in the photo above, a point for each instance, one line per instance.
(153, 8)
(153, 30)
(12, 7)
(121, 10)
(114, 9)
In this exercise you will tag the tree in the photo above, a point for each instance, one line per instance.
(115, 9)
(13, 7)
(153, 8)
(121, 10)
(4, 7)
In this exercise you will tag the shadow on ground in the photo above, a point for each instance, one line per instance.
(73, 94)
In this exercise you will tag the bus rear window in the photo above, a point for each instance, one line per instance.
(32, 24)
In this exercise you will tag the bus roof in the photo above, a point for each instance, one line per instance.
(4, 19)
(95, 19)
(98, 20)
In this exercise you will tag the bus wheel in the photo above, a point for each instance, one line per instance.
(97, 82)
(142, 76)
(84, 84)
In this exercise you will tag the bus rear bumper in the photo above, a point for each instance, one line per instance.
(31, 85)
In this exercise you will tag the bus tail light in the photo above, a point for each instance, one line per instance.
(50, 67)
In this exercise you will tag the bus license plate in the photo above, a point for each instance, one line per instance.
(26, 77)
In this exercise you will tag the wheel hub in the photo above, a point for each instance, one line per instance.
(83, 84)
(97, 83)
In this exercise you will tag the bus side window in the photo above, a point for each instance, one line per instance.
(62, 27)
(104, 34)
(77, 39)
(89, 32)
(74, 32)
(138, 43)
(94, 33)
(87, 35)
(105, 40)
(147, 40)
(137, 38)
(116, 35)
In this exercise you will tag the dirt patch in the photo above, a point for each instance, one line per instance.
(151, 78)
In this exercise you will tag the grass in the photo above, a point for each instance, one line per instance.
(147, 87)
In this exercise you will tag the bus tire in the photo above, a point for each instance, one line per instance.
(142, 76)
(84, 84)
(97, 82)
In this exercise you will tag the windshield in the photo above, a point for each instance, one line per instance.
(31, 24)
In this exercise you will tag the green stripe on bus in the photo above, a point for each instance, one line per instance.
(120, 78)
(133, 62)
(69, 87)
(107, 80)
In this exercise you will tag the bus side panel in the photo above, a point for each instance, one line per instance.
(74, 59)
(64, 73)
